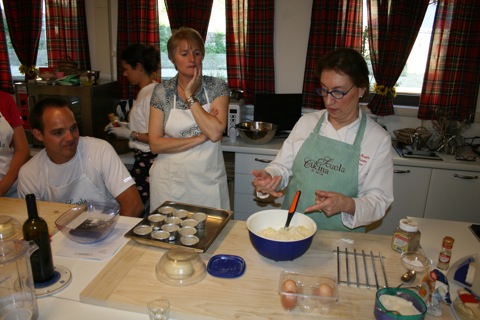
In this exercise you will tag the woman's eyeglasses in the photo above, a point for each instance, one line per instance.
(337, 94)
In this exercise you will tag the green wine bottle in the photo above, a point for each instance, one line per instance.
(36, 229)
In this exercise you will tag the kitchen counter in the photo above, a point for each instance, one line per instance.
(448, 161)
(119, 287)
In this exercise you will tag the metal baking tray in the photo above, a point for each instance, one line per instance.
(216, 221)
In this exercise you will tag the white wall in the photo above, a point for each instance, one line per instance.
(292, 25)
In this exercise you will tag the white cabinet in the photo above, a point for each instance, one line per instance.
(245, 201)
(453, 195)
(410, 189)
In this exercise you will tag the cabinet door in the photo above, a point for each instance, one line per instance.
(453, 195)
(410, 189)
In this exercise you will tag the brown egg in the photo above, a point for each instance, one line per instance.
(289, 301)
(289, 286)
(324, 290)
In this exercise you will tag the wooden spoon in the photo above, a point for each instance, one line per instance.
(292, 209)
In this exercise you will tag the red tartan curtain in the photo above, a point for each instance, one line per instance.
(66, 27)
(137, 23)
(393, 28)
(5, 74)
(250, 60)
(452, 77)
(24, 20)
(334, 24)
(194, 14)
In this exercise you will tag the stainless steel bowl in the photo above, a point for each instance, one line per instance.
(256, 132)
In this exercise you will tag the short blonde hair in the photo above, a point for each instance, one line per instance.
(184, 33)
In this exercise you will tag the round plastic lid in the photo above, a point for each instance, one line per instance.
(180, 266)
(10, 228)
(408, 225)
(226, 266)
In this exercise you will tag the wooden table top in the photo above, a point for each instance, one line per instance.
(128, 281)
(49, 211)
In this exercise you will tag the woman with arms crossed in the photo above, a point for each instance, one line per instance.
(187, 119)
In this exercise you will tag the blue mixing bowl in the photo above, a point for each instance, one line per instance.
(279, 250)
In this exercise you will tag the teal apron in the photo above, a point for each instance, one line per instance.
(325, 164)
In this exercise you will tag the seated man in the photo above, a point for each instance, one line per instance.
(74, 169)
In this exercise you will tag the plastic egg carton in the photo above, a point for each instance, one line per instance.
(307, 293)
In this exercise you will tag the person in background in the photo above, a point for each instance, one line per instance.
(338, 157)
(14, 150)
(187, 119)
(140, 65)
(74, 169)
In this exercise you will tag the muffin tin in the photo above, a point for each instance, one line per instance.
(200, 238)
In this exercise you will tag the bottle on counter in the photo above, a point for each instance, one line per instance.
(445, 253)
(113, 119)
(406, 236)
(36, 229)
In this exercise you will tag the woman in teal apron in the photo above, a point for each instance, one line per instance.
(338, 157)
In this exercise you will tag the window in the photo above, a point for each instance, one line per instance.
(411, 80)
(42, 59)
(215, 61)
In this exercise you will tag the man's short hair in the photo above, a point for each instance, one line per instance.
(36, 114)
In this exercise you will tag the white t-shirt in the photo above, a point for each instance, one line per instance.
(95, 157)
(139, 116)
(375, 168)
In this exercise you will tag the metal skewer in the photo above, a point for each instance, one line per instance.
(365, 267)
(338, 264)
(348, 272)
(383, 269)
(356, 266)
(374, 269)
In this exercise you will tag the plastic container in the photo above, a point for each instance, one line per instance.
(406, 236)
(307, 293)
(88, 223)
(180, 266)
(382, 313)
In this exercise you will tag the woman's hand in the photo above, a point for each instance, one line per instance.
(332, 203)
(265, 183)
(195, 82)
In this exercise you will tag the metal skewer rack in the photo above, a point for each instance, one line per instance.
(360, 269)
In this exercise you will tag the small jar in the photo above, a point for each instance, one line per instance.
(445, 253)
(406, 236)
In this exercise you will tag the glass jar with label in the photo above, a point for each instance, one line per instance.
(445, 253)
(406, 236)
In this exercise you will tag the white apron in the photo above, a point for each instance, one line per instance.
(78, 191)
(6, 153)
(196, 176)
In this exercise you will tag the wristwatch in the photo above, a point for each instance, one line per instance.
(134, 136)
(191, 100)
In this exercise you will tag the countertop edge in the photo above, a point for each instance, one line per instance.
(448, 162)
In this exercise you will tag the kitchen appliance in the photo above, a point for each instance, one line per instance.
(257, 132)
(282, 109)
(235, 114)
(17, 291)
